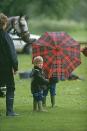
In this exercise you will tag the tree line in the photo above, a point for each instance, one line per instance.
(57, 9)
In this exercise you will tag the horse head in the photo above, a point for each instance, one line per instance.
(20, 27)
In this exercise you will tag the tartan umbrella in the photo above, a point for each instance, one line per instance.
(60, 52)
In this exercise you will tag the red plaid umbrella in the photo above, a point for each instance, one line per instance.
(60, 52)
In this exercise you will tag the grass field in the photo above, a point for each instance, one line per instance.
(78, 30)
(71, 100)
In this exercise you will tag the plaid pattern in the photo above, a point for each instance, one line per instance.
(60, 52)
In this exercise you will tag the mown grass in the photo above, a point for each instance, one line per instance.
(71, 100)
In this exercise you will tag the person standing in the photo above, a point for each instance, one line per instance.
(8, 65)
(38, 83)
(52, 89)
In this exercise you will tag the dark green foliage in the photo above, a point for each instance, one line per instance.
(57, 9)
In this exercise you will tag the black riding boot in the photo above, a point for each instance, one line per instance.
(9, 104)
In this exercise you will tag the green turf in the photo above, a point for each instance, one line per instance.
(71, 100)
(78, 30)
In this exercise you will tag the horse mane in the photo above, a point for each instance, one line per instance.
(17, 23)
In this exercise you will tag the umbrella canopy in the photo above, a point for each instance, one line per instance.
(60, 52)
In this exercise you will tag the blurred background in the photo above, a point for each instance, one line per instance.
(51, 15)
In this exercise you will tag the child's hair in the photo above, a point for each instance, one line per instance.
(3, 20)
(37, 60)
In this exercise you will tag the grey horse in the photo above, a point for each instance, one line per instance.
(19, 26)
